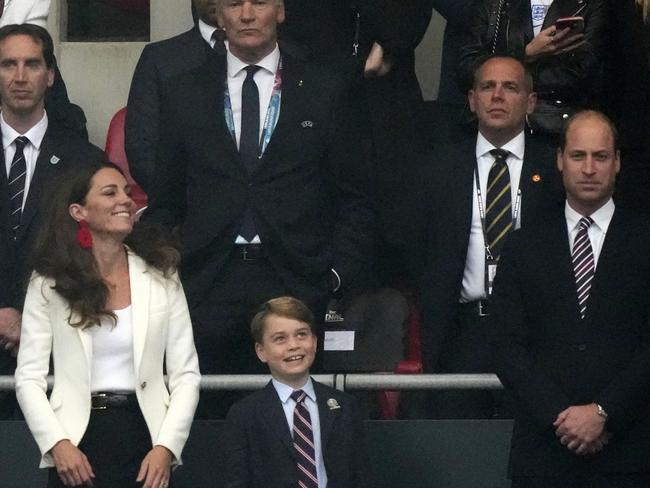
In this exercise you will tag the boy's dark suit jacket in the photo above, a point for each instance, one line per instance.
(61, 151)
(307, 195)
(257, 448)
(449, 190)
(550, 359)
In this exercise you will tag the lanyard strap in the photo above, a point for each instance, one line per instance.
(272, 112)
(481, 209)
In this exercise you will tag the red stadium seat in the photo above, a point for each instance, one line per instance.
(411, 364)
(116, 154)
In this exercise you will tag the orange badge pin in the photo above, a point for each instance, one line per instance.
(537, 178)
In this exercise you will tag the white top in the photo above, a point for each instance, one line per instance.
(597, 231)
(112, 365)
(31, 150)
(539, 9)
(474, 276)
(288, 405)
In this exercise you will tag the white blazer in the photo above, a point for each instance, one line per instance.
(25, 12)
(162, 331)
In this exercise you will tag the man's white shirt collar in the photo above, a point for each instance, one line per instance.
(206, 31)
(516, 146)
(269, 62)
(601, 217)
(35, 134)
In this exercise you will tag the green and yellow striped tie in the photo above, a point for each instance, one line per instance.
(498, 212)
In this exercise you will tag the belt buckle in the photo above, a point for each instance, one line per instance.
(98, 395)
(244, 253)
(483, 309)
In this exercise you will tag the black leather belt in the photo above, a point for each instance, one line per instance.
(249, 252)
(103, 401)
(479, 308)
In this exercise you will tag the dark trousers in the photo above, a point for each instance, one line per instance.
(467, 351)
(115, 443)
(628, 480)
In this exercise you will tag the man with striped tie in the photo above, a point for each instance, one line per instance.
(479, 190)
(34, 154)
(571, 334)
(295, 431)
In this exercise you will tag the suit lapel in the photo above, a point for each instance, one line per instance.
(559, 256)
(42, 174)
(462, 180)
(272, 412)
(140, 282)
(327, 416)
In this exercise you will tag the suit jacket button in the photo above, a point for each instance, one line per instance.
(143, 385)
(582, 347)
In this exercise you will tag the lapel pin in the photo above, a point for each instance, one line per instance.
(54, 160)
(300, 83)
(306, 123)
(332, 404)
(536, 178)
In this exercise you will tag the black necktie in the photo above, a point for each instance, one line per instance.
(219, 36)
(498, 211)
(249, 139)
(16, 184)
(303, 442)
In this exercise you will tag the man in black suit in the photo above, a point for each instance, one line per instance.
(295, 431)
(264, 180)
(159, 62)
(570, 328)
(460, 263)
(34, 154)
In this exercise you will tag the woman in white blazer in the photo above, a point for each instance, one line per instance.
(25, 12)
(105, 303)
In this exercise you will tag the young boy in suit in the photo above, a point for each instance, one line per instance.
(295, 431)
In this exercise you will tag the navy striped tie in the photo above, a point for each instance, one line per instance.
(303, 442)
(583, 264)
(16, 184)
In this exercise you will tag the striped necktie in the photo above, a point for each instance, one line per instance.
(498, 212)
(16, 183)
(303, 442)
(583, 264)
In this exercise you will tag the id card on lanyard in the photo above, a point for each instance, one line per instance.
(491, 262)
(272, 112)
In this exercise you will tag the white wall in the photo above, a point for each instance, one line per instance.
(98, 75)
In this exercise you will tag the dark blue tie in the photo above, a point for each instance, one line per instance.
(249, 139)
(16, 183)
(303, 442)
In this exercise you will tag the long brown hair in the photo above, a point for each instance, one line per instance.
(57, 254)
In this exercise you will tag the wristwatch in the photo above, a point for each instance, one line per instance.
(601, 411)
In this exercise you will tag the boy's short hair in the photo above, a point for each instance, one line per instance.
(287, 307)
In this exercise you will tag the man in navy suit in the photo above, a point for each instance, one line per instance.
(261, 170)
(295, 431)
(460, 259)
(570, 329)
(159, 62)
(35, 153)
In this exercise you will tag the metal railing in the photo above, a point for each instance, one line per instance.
(343, 381)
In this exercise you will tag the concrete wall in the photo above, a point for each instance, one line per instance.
(98, 75)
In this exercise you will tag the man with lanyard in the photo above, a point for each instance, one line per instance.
(261, 169)
(480, 190)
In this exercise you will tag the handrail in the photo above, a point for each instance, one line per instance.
(343, 381)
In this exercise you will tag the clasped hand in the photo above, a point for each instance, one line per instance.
(581, 429)
(10, 321)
